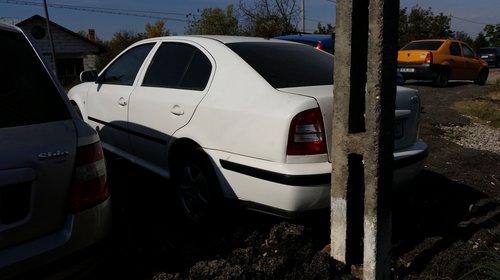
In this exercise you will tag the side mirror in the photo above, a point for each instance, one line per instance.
(88, 76)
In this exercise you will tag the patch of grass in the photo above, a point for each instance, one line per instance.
(487, 268)
(484, 109)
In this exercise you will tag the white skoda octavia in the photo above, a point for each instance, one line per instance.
(239, 118)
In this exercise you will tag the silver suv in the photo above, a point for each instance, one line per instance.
(54, 197)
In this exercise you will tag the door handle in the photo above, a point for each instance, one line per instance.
(122, 101)
(176, 110)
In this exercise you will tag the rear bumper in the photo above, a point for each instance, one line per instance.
(419, 71)
(294, 189)
(82, 231)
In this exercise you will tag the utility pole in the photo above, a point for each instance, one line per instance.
(51, 41)
(363, 134)
(303, 16)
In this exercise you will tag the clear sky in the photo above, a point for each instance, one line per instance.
(110, 16)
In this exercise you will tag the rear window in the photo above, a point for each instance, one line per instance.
(423, 45)
(287, 65)
(28, 94)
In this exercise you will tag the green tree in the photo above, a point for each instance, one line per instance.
(419, 23)
(324, 29)
(492, 34)
(480, 41)
(464, 37)
(269, 18)
(120, 41)
(155, 30)
(214, 21)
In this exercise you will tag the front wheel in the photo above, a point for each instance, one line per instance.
(482, 77)
(196, 184)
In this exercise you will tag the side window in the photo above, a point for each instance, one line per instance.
(125, 68)
(468, 51)
(455, 49)
(177, 65)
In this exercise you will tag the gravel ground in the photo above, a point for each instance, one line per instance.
(474, 136)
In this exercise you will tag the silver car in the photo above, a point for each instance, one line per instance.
(54, 197)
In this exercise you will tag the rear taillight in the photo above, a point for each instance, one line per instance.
(90, 185)
(307, 134)
(428, 58)
(319, 46)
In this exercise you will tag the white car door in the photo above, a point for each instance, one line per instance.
(108, 99)
(174, 84)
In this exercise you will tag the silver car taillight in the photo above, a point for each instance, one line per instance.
(90, 185)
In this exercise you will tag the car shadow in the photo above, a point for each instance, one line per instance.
(431, 215)
(151, 234)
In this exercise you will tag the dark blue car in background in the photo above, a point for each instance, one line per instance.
(323, 42)
(326, 43)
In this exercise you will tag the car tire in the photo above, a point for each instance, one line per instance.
(482, 77)
(442, 78)
(196, 184)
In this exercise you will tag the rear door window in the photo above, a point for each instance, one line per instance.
(455, 49)
(178, 65)
(28, 94)
(287, 65)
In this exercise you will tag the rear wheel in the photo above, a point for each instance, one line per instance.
(196, 184)
(483, 76)
(442, 78)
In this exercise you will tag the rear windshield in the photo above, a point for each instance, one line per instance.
(28, 95)
(423, 45)
(287, 65)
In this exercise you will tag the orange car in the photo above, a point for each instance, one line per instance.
(441, 60)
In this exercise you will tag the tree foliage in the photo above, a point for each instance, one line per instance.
(155, 30)
(269, 18)
(419, 23)
(492, 34)
(480, 41)
(324, 29)
(214, 21)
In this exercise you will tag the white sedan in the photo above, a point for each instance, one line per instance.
(239, 118)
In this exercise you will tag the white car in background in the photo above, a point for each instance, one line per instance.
(55, 206)
(242, 118)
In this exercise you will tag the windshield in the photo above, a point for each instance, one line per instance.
(287, 65)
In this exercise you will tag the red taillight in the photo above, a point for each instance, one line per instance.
(319, 46)
(307, 134)
(90, 185)
(428, 58)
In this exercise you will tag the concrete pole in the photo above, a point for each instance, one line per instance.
(363, 127)
(303, 16)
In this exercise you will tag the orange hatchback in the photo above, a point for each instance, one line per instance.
(441, 60)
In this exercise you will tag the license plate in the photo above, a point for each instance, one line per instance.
(406, 70)
(484, 56)
(398, 129)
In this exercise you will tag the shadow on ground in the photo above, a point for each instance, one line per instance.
(150, 236)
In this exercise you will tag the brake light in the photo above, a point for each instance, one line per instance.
(90, 185)
(319, 46)
(428, 58)
(307, 134)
